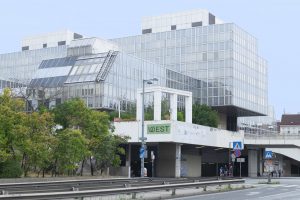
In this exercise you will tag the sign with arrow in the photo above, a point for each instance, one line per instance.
(142, 153)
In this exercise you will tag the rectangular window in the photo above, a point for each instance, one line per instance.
(60, 43)
(145, 31)
(195, 24)
(45, 45)
(173, 27)
(25, 48)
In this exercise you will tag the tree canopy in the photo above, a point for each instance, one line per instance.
(57, 140)
(205, 115)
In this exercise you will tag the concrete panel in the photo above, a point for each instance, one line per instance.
(168, 160)
(286, 167)
(191, 165)
(252, 162)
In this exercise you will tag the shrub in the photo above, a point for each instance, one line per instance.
(10, 169)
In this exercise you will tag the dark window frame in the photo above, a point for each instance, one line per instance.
(61, 43)
(148, 30)
(196, 24)
(25, 48)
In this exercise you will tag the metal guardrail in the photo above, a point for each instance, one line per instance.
(272, 136)
(88, 184)
(116, 191)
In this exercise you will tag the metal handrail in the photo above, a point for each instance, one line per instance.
(116, 191)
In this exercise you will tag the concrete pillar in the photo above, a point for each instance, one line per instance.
(168, 160)
(252, 163)
(128, 155)
(178, 160)
(173, 106)
(188, 109)
(139, 107)
(286, 167)
(128, 160)
(157, 105)
(260, 161)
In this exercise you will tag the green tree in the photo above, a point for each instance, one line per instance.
(71, 114)
(204, 115)
(107, 151)
(96, 128)
(11, 127)
(70, 150)
(37, 141)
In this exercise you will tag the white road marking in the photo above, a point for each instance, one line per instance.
(252, 193)
(289, 186)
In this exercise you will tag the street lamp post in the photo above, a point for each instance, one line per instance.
(143, 139)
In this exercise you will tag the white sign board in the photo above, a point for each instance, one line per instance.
(240, 160)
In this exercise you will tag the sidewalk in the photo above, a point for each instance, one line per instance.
(179, 193)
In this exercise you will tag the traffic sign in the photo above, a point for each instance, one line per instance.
(237, 145)
(233, 156)
(237, 153)
(240, 160)
(142, 152)
(268, 154)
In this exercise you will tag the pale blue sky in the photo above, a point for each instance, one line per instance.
(274, 22)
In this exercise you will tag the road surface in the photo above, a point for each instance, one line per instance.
(289, 188)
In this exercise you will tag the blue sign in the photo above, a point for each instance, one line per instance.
(268, 154)
(237, 145)
(142, 153)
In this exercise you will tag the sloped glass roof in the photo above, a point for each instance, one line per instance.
(53, 72)
(60, 71)
(87, 68)
(58, 62)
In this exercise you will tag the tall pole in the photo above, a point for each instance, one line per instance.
(119, 108)
(229, 156)
(143, 139)
(240, 169)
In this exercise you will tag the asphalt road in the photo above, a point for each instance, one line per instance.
(289, 188)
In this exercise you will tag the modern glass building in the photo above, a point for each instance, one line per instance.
(194, 51)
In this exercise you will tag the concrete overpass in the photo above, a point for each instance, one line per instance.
(183, 145)
(272, 140)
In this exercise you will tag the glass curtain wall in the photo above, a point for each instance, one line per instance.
(210, 54)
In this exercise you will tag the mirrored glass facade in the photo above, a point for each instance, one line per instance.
(219, 63)
(21, 66)
(223, 57)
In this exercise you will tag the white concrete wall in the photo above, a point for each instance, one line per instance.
(291, 130)
(181, 132)
(182, 20)
(51, 39)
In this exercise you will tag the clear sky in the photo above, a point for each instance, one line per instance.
(274, 22)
